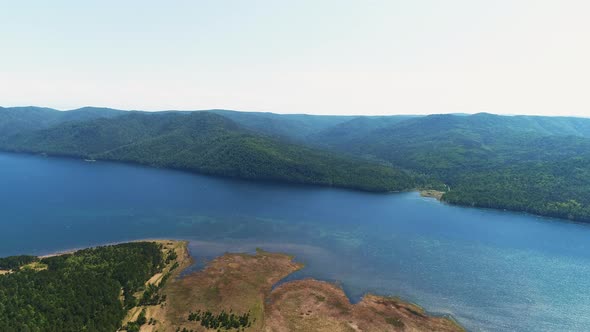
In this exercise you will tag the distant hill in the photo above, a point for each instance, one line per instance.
(207, 143)
(296, 127)
(354, 129)
(18, 119)
(446, 144)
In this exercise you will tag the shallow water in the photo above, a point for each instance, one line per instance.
(492, 270)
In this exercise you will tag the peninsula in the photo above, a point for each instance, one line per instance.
(234, 292)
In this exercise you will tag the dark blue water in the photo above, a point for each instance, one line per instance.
(492, 270)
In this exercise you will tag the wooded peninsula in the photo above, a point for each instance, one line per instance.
(137, 286)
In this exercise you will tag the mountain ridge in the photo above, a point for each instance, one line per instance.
(206, 143)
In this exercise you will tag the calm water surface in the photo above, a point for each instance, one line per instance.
(491, 270)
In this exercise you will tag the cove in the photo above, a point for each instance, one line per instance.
(491, 270)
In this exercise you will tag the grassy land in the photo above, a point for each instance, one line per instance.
(237, 283)
(155, 313)
(36, 266)
(242, 284)
(311, 305)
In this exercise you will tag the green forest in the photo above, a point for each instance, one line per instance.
(206, 143)
(538, 165)
(532, 164)
(76, 292)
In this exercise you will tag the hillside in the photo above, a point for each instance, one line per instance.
(295, 127)
(206, 143)
(354, 129)
(14, 120)
(88, 290)
(523, 163)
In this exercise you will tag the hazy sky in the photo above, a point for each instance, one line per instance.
(317, 56)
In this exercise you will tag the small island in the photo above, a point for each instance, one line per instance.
(137, 287)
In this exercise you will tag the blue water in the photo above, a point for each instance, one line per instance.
(491, 270)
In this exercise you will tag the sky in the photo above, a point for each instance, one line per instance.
(305, 56)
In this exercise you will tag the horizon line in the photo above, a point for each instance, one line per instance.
(276, 113)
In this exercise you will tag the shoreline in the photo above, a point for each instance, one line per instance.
(238, 276)
(252, 283)
(263, 180)
(436, 194)
(181, 271)
(73, 250)
(289, 183)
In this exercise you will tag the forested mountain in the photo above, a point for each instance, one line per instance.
(88, 290)
(534, 164)
(311, 128)
(354, 129)
(18, 119)
(296, 127)
(207, 143)
(525, 163)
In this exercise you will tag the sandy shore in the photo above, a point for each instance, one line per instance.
(73, 250)
(432, 193)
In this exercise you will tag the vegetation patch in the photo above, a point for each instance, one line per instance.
(85, 285)
(230, 291)
(15, 262)
(394, 321)
(223, 320)
(35, 266)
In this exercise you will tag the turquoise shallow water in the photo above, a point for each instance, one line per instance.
(492, 270)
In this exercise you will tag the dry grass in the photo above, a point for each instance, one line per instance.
(157, 312)
(311, 305)
(37, 266)
(242, 283)
(432, 193)
(236, 282)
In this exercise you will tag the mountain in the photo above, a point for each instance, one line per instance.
(18, 119)
(89, 113)
(207, 143)
(295, 127)
(445, 145)
(533, 164)
(354, 129)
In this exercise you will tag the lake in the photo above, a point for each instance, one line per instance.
(491, 270)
